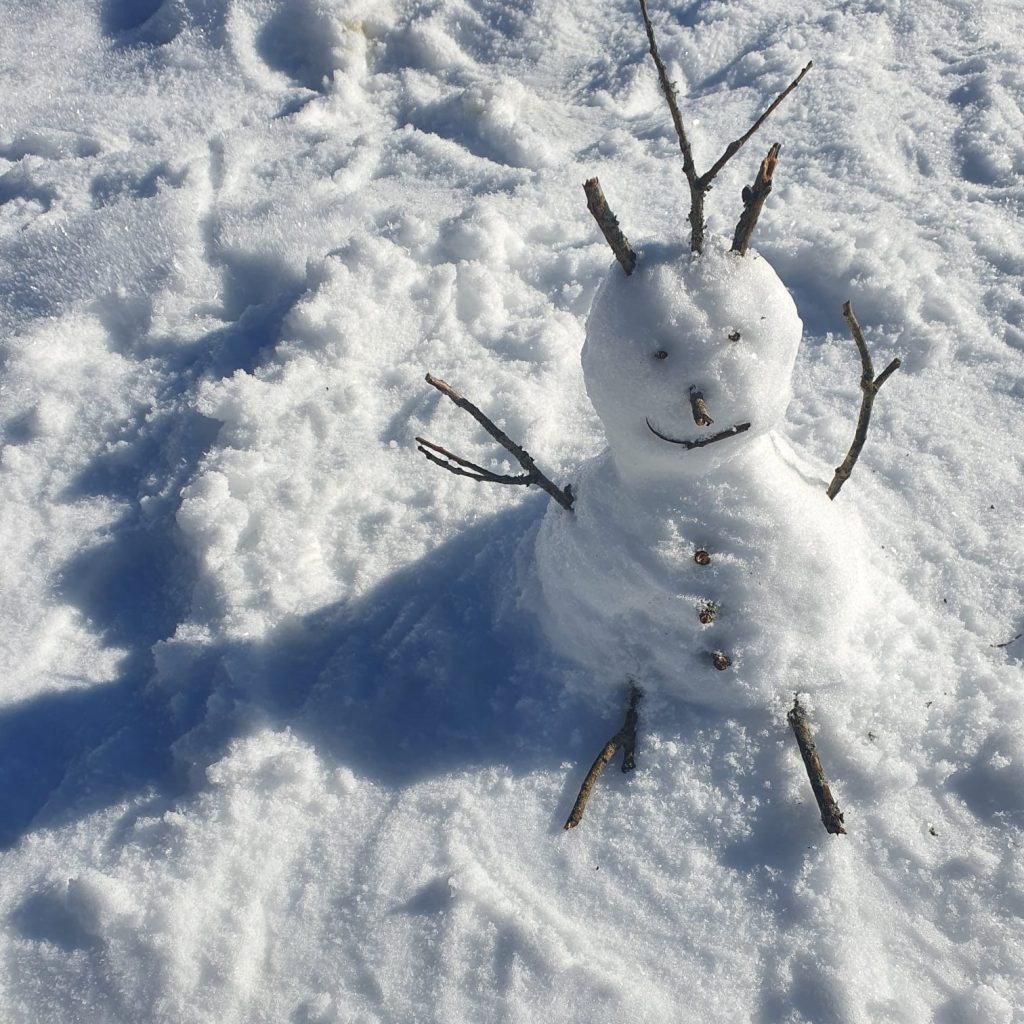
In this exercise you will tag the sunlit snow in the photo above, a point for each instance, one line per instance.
(291, 719)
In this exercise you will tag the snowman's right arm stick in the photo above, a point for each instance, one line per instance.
(463, 467)
(869, 385)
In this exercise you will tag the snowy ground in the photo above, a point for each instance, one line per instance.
(279, 738)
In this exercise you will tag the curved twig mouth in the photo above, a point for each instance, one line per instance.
(738, 428)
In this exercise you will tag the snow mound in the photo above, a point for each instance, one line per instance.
(786, 587)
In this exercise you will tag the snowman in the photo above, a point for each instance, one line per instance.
(693, 558)
(696, 540)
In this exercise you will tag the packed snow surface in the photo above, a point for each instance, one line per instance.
(291, 719)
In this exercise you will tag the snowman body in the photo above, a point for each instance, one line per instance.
(624, 592)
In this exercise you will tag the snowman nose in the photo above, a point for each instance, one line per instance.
(701, 416)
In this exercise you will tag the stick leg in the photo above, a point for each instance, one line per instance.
(831, 816)
(625, 738)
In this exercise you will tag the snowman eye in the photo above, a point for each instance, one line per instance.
(735, 336)
(661, 354)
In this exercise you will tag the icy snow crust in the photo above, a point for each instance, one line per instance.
(283, 737)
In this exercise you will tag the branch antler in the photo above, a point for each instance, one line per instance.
(753, 200)
(463, 467)
(701, 183)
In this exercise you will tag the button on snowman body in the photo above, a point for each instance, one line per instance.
(688, 363)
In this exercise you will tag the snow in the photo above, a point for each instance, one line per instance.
(622, 590)
(721, 326)
(289, 723)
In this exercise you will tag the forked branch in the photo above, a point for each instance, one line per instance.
(869, 385)
(463, 467)
(831, 816)
(700, 183)
(625, 738)
(609, 225)
(753, 200)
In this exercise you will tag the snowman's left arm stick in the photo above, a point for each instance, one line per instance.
(463, 467)
(869, 385)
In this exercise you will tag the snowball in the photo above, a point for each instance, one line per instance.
(721, 324)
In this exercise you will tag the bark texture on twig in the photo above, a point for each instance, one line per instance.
(869, 385)
(609, 225)
(692, 178)
(734, 147)
(463, 467)
(625, 738)
(831, 816)
(753, 200)
(700, 183)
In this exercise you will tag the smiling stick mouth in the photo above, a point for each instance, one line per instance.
(739, 428)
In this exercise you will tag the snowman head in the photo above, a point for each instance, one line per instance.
(685, 339)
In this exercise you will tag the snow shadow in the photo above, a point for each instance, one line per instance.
(158, 22)
(298, 41)
(68, 753)
(118, 16)
(433, 671)
(77, 750)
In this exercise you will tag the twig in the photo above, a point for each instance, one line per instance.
(625, 738)
(609, 225)
(831, 816)
(696, 217)
(753, 200)
(1008, 642)
(720, 436)
(699, 408)
(563, 496)
(869, 385)
(734, 147)
(669, 89)
(452, 462)
(700, 183)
